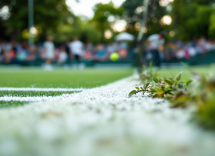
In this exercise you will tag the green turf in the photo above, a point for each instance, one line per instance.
(186, 75)
(33, 93)
(7, 104)
(60, 78)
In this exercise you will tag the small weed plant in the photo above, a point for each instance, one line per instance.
(147, 73)
(198, 92)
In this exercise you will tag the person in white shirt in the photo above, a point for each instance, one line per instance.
(155, 42)
(49, 52)
(62, 56)
(77, 48)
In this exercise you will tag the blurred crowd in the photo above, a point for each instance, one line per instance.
(186, 50)
(14, 52)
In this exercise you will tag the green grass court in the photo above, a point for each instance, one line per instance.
(60, 78)
(186, 75)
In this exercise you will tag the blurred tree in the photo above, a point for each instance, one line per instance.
(82, 29)
(48, 15)
(134, 16)
(212, 23)
(2, 28)
(104, 16)
(67, 28)
(89, 33)
(192, 18)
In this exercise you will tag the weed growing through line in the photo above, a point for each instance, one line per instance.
(148, 74)
(198, 92)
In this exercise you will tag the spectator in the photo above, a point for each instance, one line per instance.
(122, 49)
(88, 50)
(49, 53)
(76, 48)
(69, 55)
(62, 56)
(1, 51)
(180, 53)
(111, 48)
(155, 41)
(101, 54)
(13, 52)
(192, 51)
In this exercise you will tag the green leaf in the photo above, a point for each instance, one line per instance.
(178, 76)
(137, 88)
(168, 82)
(180, 85)
(188, 82)
(141, 88)
(176, 83)
(162, 86)
(142, 75)
(166, 89)
(171, 79)
(132, 93)
(147, 84)
(158, 89)
(155, 80)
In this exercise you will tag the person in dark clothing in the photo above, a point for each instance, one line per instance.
(68, 52)
(155, 41)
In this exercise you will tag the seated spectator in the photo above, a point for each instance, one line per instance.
(62, 56)
(192, 51)
(89, 47)
(1, 52)
(10, 56)
(21, 56)
(32, 53)
(94, 55)
(202, 43)
(122, 49)
(209, 45)
(23, 52)
(110, 48)
(186, 53)
(88, 51)
(213, 47)
(180, 54)
(198, 49)
(88, 55)
(101, 54)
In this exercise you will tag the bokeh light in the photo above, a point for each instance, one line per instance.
(166, 20)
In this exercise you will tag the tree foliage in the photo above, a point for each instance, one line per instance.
(190, 18)
(48, 15)
(102, 13)
(134, 15)
(193, 18)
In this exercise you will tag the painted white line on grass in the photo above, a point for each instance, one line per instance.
(102, 121)
(41, 89)
(33, 99)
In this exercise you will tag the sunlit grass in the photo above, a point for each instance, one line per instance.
(60, 78)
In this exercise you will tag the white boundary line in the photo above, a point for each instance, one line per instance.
(34, 98)
(41, 89)
(85, 120)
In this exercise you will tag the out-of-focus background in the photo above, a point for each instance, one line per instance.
(88, 112)
(26, 24)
